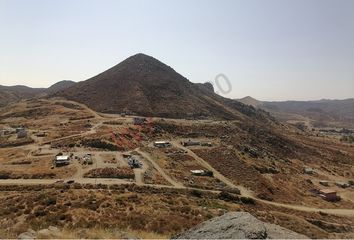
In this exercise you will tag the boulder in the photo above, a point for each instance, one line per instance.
(238, 225)
(50, 232)
(29, 234)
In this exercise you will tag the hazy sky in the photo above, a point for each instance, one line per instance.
(269, 49)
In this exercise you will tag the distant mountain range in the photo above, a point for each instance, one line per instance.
(10, 94)
(321, 113)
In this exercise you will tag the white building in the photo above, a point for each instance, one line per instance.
(61, 160)
(162, 144)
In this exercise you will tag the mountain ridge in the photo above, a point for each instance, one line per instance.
(322, 113)
(12, 94)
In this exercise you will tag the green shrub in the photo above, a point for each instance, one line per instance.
(196, 193)
(247, 200)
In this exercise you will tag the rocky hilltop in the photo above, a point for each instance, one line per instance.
(238, 225)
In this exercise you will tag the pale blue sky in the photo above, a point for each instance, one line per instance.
(269, 49)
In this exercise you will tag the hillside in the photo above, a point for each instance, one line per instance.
(12, 94)
(251, 166)
(321, 113)
(250, 101)
(142, 85)
(59, 86)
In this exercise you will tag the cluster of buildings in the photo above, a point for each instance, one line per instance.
(330, 194)
(327, 193)
(63, 160)
(21, 132)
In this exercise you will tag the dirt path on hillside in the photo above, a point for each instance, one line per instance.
(160, 170)
(247, 193)
(343, 212)
(112, 181)
(205, 164)
(94, 113)
(139, 173)
(91, 131)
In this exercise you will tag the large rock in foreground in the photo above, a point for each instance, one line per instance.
(238, 225)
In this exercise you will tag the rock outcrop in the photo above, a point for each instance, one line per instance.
(47, 233)
(238, 225)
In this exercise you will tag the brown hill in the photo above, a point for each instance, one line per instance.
(250, 101)
(321, 113)
(10, 94)
(59, 86)
(144, 86)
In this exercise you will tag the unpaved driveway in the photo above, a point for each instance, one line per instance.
(160, 170)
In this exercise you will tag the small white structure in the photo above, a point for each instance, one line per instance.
(202, 173)
(162, 144)
(342, 184)
(61, 160)
(309, 171)
(324, 183)
(197, 172)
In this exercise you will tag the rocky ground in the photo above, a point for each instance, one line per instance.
(238, 225)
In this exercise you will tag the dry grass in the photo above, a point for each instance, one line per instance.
(141, 214)
(123, 172)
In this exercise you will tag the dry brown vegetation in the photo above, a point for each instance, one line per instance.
(142, 210)
(164, 212)
(15, 164)
(123, 172)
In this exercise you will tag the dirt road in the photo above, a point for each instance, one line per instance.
(160, 170)
(139, 172)
(203, 163)
(112, 181)
(78, 177)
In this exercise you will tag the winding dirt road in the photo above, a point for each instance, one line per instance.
(160, 170)
(174, 184)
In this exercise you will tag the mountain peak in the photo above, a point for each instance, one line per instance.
(145, 86)
(248, 100)
(142, 60)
